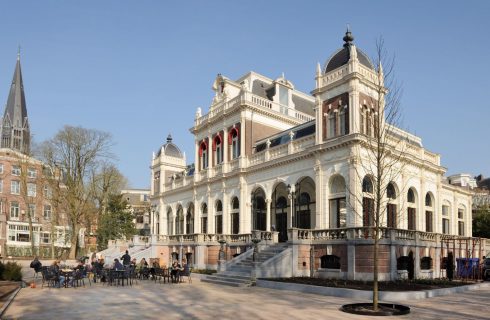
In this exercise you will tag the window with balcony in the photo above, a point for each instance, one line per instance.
(15, 187)
(218, 149)
(234, 141)
(203, 155)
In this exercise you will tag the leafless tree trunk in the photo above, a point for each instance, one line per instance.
(382, 153)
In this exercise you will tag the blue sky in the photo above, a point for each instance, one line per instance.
(139, 69)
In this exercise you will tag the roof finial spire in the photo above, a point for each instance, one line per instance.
(348, 38)
(18, 53)
(169, 138)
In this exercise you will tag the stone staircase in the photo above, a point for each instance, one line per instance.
(238, 274)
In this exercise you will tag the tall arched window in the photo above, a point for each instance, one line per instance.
(258, 210)
(234, 141)
(203, 155)
(170, 222)
(337, 204)
(429, 213)
(218, 218)
(204, 218)
(218, 149)
(189, 222)
(367, 202)
(332, 123)
(411, 210)
(235, 216)
(179, 221)
(304, 203)
(391, 211)
(344, 120)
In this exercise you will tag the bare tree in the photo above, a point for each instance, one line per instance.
(77, 152)
(106, 181)
(381, 155)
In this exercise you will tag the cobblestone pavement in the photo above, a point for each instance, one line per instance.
(149, 300)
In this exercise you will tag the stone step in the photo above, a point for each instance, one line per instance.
(225, 283)
(229, 279)
(227, 274)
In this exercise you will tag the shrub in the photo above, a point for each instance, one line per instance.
(12, 271)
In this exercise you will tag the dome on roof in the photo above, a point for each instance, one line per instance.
(342, 56)
(170, 149)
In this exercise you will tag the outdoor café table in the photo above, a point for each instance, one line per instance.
(118, 275)
(67, 273)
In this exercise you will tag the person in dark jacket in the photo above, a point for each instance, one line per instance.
(36, 265)
(117, 265)
(126, 258)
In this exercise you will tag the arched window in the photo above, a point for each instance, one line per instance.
(429, 213)
(218, 218)
(411, 210)
(203, 155)
(391, 209)
(367, 202)
(218, 149)
(204, 218)
(337, 204)
(259, 210)
(304, 203)
(235, 215)
(367, 185)
(170, 222)
(344, 120)
(189, 222)
(332, 123)
(234, 141)
(179, 221)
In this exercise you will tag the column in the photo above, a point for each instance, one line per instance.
(211, 210)
(210, 152)
(196, 156)
(319, 220)
(268, 214)
(197, 216)
(184, 212)
(225, 145)
(319, 120)
(226, 213)
(242, 137)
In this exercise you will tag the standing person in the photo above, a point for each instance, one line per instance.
(36, 265)
(126, 258)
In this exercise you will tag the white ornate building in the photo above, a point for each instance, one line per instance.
(289, 165)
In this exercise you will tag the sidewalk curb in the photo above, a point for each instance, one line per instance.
(392, 296)
(9, 301)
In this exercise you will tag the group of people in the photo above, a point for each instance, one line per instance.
(98, 265)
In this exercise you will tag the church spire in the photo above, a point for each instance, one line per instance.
(15, 133)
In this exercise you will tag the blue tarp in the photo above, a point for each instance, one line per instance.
(465, 266)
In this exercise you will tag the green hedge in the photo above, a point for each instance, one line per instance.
(10, 271)
(41, 252)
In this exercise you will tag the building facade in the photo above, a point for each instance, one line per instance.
(139, 204)
(28, 213)
(289, 167)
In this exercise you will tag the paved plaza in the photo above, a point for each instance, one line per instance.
(149, 300)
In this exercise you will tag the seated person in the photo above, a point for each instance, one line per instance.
(175, 271)
(55, 269)
(118, 265)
